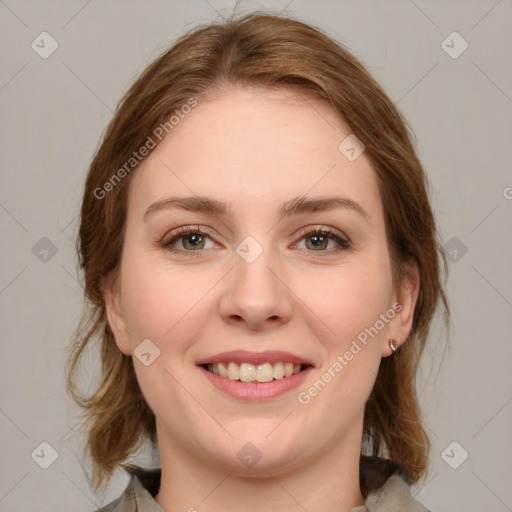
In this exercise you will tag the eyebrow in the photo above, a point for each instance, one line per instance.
(293, 207)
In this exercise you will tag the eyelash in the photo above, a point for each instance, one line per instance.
(181, 232)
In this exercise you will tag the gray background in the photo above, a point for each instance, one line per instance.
(53, 113)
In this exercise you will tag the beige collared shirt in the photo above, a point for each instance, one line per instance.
(393, 496)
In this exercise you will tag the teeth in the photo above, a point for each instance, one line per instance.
(264, 372)
(278, 370)
(223, 369)
(247, 372)
(233, 371)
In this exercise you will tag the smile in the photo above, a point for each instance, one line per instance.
(255, 376)
(248, 372)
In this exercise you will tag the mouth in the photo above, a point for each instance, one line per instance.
(248, 372)
(255, 376)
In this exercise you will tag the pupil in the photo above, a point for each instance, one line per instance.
(317, 240)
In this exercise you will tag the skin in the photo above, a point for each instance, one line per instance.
(254, 149)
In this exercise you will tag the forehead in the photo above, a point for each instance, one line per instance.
(255, 146)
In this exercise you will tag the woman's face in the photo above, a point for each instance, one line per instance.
(259, 285)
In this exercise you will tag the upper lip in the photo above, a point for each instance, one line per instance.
(243, 356)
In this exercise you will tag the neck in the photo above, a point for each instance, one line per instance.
(329, 482)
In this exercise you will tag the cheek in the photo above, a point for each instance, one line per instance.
(358, 311)
(351, 300)
(157, 298)
(351, 306)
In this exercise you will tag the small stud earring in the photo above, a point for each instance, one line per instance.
(392, 344)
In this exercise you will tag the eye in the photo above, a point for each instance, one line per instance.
(319, 239)
(193, 239)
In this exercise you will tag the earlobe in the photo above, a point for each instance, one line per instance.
(406, 297)
(115, 319)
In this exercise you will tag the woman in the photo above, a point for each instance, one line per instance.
(262, 266)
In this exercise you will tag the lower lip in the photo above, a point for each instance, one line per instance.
(256, 391)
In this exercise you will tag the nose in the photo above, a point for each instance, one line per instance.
(256, 294)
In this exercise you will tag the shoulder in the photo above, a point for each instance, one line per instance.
(394, 495)
(139, 493)
(126, 502)
(386, 487)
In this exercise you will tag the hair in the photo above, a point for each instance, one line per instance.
(260, 50)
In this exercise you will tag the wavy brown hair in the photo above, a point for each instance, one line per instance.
(266, 51)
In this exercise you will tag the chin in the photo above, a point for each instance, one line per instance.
(254, 452)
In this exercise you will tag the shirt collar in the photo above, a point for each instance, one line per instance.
(392, 496)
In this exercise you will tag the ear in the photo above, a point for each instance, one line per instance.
(112, 297)
(404, 303)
